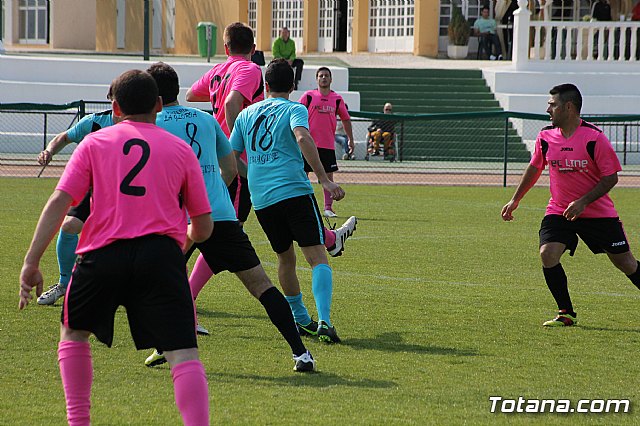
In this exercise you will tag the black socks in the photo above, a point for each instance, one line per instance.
(280, 315)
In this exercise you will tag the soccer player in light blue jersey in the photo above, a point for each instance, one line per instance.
(275, 135)
(228, 248)
(73, 222)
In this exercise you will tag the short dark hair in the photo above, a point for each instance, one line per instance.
(568, 93)
(135, 91)
(239, 38)
(167, 80)
(323, 69)
(484, 7)
(279, 75)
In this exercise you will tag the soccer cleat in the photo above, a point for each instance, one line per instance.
(342, 233)
(330, 213)
(561, 320)
(304, 363)
(156, 358)
(201, 330)
(50, 296)
(345, 156)
(310, 329)
(327, 334)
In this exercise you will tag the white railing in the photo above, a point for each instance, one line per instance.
(612, 43)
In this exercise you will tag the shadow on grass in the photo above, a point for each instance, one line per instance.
(218, 314)
(617, 330)
(317, 380)
(393, 342)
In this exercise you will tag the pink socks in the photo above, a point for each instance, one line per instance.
(191, 392)
(329, 238)
(199, 276)
(328, 201)
(76, 370)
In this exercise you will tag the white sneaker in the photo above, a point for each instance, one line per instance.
(50, 296)
(201, 330)
(345, 157)
(492, 58)
(304, 363)
(500, 57)
(330, 213)
(342, 233)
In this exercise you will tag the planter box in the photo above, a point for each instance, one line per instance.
(457, 52)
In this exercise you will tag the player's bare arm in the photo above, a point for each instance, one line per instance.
(57, 143)
(228, 168)
(529, 178)
(310, 153)
(348, 129)
(48, 224)
(241, 164)
(232, 107)
(192, 97)
(201, 228)
(575, 208)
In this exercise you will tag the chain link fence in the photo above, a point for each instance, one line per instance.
(476, 148)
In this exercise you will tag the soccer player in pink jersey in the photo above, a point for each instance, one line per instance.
(144, 183)
(230, 87)
(324, 106)
(583, 168)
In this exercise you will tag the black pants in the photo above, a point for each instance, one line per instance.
(297, 64)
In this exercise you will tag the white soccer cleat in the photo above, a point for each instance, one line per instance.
(304, 363)
(201, 330)
(330, 213)
(342, 233)
(50, 296)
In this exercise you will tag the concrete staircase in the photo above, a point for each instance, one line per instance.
(428, 91)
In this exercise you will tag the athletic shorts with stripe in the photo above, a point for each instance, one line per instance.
(146, 275)
(327, 158)
(228, 248)
(599, 234)
(240, 197)
(294, 219)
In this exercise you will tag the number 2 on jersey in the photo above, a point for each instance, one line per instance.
(125, 185)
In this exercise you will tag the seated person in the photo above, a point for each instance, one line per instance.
(382, 131)
(485, 29)
(342, 139)
(284, 47)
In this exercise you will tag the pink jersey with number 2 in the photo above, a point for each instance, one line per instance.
(235, 74)
(576, 165)
(144, 181)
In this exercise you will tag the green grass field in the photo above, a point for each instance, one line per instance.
(438, 302)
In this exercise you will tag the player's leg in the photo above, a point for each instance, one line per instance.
(76, 371)
(609, 236)
(191, 391)
(66, 249)
(160, 312)
(330, 165)
(556, 236)
(335, 239)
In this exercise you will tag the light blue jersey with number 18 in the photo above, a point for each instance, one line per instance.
(203, 133)
(274, 160)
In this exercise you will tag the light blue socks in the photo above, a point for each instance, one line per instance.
(66, 251)
(322, 286)
(300, 313)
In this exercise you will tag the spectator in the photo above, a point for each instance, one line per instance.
(285, 48)
(382, 130)
(485, 29)
(342, 139)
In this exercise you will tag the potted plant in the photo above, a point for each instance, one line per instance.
(459, 31)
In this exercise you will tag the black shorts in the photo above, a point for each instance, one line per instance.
(327, 158)
(146, 275)
(228, 249)
(294, 219)
(240, 197)
(601, 235)
(82, 210)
